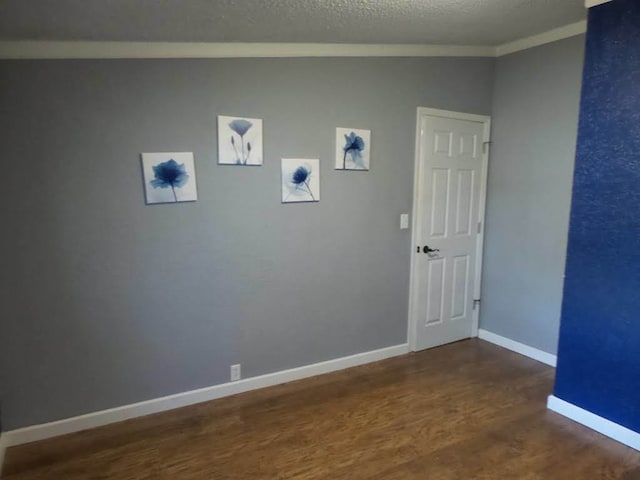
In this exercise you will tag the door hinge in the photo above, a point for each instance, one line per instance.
(479, 227)
(476, 303)
(485, 146)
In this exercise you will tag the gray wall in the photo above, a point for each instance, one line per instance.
(106, 301)
(535, 121)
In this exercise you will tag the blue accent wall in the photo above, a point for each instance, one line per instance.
(599, 349)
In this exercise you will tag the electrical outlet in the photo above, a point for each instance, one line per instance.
(236, 372)
(404, 221)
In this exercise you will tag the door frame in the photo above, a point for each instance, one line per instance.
(417, 212)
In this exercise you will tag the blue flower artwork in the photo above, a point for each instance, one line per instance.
(169, 177)
(170, 174)
(300, 180)
(352, 149)
(239, 141)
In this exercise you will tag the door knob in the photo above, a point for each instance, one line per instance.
(426, 249)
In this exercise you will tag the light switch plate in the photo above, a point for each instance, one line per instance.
(404, 221)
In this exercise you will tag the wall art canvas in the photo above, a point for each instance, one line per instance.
(169, 177)
(239, 141)
(353, 147)
(300, 180)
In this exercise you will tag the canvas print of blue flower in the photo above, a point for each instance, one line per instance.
(239, 141)
(353, 146)
(169, 177)
(300, 180)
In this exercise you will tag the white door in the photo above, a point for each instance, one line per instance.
(449, 210)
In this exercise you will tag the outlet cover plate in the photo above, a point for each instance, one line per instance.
(236, 372)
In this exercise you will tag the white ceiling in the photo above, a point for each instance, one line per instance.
(440, 22)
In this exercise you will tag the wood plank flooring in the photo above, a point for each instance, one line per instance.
(469, 410)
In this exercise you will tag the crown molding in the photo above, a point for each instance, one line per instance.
(594, 3)
(113, 50)
(554, 35)
(59, 50)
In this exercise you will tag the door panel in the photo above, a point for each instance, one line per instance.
(439, 202)
(435, 278)
(449, 192)
(464, 209)
(443, 143)
(459, 295)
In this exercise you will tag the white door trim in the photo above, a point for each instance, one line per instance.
(3, 449)
(417, 212)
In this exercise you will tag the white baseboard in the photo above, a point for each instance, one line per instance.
(113, 415)
(518, 347)
(595, 422)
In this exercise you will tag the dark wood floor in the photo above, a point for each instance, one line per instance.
(464, 411)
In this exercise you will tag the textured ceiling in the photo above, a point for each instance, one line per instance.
(461, 22)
